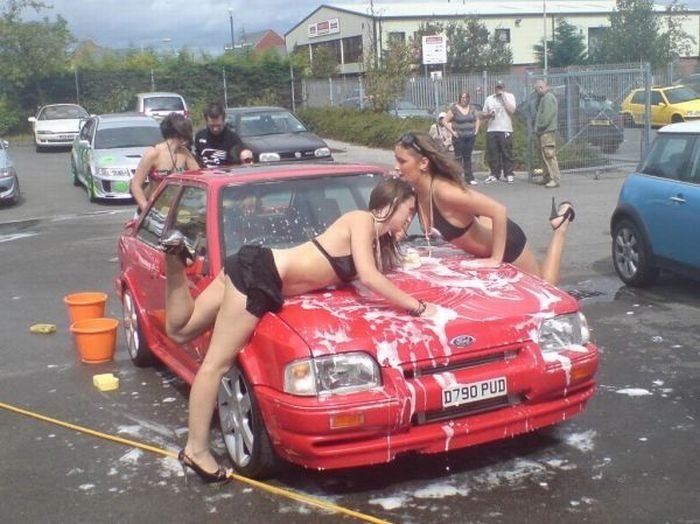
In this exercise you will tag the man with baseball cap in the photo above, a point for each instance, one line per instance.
(497, 110)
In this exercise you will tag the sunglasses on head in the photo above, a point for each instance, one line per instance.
(409, 140)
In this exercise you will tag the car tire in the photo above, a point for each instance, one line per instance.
(38, 148)
(74, 172)
(243, 428)
(675, 119)
(631, 255)
(628, 120)
(90, 186)
(136, 344)
(610, 147)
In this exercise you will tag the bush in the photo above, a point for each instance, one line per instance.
(12, 117)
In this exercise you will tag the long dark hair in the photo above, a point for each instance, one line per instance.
(176, 126)
(389, 193)
(442, 162)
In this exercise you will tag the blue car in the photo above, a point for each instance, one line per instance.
(656, 224)
(9, 183)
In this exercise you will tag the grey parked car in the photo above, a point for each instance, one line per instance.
(107, 150)
(9, 183)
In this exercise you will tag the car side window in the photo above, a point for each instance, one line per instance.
(656, 98)
(190, 217)
(638, 98)
(153, 224)
(668, 156)
(692, 174)
(86, 130)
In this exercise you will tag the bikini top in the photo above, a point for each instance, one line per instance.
(344, 267)
(448, 231)
(157, 175)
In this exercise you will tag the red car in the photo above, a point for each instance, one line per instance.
(339, 378)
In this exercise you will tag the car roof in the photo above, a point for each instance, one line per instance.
(62, 105)
(682, 127)
(255, 109)
(159, 93)
(217, 177)
(132, 119)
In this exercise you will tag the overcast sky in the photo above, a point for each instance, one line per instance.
(196, 24)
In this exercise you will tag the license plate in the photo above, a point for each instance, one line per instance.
(459, 394)
(600, 122)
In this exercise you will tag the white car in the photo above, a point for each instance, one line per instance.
(57, 125)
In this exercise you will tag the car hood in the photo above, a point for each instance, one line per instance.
(690, 105)
(283, 142)
(128, 156)
(58, 126)
(478, 308)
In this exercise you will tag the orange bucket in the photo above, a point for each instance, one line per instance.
(81, 306)
(95, 339)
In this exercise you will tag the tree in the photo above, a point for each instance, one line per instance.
(566, 48)
(386, 83)
(470, 46)
(31, 51)
(635, 34)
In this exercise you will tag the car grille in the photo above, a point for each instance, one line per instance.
(427, 417)
(302, 155)
(458, 363)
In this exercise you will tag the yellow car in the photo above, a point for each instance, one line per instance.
(668, 104)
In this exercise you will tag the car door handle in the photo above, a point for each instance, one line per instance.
(677, 199)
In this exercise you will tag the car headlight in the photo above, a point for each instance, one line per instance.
(7, 172)
(322, 151)
(562, 332)
(269, 157)
(112, 172)
(334, 374)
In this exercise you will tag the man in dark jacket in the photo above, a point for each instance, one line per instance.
(546, 131)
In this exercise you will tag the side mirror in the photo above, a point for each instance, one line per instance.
(5, 144)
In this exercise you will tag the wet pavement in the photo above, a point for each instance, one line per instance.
(630, 457)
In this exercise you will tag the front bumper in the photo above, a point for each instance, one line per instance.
(400, 418)
(112, 188)
(55, 140)
(9, 188)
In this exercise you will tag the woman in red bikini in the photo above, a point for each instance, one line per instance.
(170, 156)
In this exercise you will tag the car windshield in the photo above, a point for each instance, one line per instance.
(134, 136)
(289, 212)
(268, 123)
(163, 103)
(681, 94)
(62, 113)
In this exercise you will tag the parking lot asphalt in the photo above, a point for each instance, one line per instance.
(631, 457)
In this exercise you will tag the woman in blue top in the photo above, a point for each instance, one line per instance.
(471, 220)
(256, 280)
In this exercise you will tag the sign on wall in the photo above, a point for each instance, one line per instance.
(325, 27)
(434, 49)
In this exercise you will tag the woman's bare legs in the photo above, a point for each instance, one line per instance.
(186, 317)
(550, 269)
(232, 330)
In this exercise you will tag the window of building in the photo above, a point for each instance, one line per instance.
(595, 38)
(397, 37)
(332, 45)
(352, 49)
(502, 35)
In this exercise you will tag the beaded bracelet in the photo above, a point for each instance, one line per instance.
(420, 309)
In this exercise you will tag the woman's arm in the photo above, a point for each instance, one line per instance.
(142, 169)
(448, 122)
(362, 237)
(458, 201)
(477, 122)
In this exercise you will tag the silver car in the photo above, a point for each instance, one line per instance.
(57, 125)
(9, 183)
(107, 150)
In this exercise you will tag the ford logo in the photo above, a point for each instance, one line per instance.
(462, 341)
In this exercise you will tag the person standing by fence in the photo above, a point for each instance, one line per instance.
(546, 131)
(463, 122)
(498, 109)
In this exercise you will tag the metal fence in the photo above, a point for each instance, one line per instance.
(592, 131)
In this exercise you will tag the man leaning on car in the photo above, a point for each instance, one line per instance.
(217, 144)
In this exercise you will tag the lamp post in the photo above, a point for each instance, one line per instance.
(230, 21)
(544, 12)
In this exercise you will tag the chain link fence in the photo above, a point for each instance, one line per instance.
(592, 131)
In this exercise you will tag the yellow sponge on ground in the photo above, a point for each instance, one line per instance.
(105, 382)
